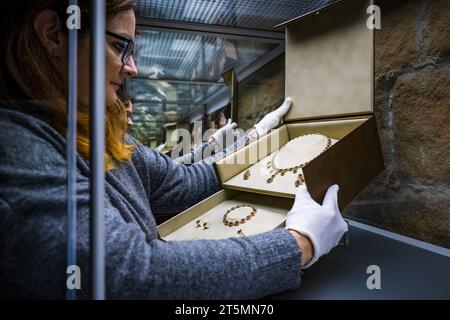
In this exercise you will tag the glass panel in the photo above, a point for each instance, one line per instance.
(178, 75)
(190, 57)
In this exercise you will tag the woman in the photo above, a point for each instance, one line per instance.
(138, 181)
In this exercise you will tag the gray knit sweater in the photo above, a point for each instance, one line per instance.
(33, 202)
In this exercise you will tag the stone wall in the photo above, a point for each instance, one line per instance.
(412, 107)
(412, 102)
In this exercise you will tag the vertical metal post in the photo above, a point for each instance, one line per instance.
(98, 21)
(231, 80)
(72, 73)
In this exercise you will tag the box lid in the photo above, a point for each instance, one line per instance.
(329, 62)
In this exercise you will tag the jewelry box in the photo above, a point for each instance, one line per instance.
(330, 78)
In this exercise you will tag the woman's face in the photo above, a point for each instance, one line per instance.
(122, 24)
(129, 110)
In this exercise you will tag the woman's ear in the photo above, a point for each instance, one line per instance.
(48, 28)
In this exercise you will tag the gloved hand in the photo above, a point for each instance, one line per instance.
(322, 224)
(160, 147)
(221, 134)
(272, 119)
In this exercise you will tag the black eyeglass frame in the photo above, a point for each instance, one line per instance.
(129, 46)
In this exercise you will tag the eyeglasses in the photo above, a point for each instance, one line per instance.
(128, 48)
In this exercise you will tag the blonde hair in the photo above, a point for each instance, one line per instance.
(31, 72)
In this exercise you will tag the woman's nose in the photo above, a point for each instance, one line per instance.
(130, 67)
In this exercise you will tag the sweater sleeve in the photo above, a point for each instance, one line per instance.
(174, 187)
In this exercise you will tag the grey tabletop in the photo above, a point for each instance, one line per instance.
(406, 271)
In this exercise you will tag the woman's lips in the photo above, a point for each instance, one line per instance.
(116, 84)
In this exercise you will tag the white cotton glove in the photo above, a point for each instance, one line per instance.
(160, 147)
(221, 134)
(272, 119)
(322, 224)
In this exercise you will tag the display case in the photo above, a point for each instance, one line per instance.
(329, 135)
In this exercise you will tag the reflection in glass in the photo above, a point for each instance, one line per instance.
(179, 73)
